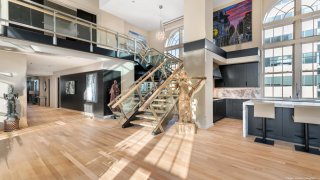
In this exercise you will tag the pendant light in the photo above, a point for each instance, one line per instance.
(161, 35)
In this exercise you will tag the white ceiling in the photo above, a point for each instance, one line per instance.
(44, 60)
(145, 14)
(45, 65)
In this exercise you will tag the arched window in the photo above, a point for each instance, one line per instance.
(174, 39)
(308, 6)
(283, 9)
(174, 45)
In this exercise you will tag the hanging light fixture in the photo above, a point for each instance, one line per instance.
(161, 35)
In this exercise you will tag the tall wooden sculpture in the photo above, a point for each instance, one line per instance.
(12, 121)
(187, 89)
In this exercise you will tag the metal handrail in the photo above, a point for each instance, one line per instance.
(144, 77)
(137, 85)
(158, 91)
(72, 19)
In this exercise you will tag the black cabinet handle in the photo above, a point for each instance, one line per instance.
(246, 83)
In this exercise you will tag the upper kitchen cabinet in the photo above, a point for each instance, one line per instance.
(239, 75)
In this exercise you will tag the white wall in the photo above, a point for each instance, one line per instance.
(125, 67)
(16, 64)
(104, 18)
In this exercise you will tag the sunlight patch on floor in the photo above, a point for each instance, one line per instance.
(137, 141)
(172, 153)
(115, 169)
(140, 173)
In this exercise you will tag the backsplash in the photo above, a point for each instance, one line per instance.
(237, 93)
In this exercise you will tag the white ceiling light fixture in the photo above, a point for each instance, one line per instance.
(161, 35)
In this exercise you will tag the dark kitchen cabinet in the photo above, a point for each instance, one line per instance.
(252, 75)
(219, 109)
(239, 75)
(282, 127)
(234, 108)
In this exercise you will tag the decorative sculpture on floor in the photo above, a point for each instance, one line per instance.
(114, 91)
(12, 121)
(187, 88)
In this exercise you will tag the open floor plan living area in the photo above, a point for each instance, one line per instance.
(160, 89)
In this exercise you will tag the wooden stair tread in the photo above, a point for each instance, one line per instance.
(159, 105)
(142, 122)
(144, 116)
(156, 110)
(160, 100)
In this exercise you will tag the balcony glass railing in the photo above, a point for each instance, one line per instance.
(58, 24)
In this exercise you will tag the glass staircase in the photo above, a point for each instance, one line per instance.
(150, 100)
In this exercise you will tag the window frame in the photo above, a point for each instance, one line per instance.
(178, 46)
(297, 42)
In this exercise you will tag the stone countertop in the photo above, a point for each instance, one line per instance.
(285, 103)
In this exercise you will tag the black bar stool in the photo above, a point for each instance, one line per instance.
(264, 110)
(307, 115)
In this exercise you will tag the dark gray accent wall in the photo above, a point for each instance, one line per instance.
(77, 102)
(207, 44)
(243, 53)
(204, 44)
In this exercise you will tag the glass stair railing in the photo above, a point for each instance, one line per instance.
(164, 66)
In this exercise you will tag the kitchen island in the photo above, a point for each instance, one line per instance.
(282, 127)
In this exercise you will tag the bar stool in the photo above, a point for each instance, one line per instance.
(264, 110)
(307, 115)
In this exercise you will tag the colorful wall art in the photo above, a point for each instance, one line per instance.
(233, 25)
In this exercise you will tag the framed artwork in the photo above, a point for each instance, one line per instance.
(91, 87)
(233, 25)
(71, 87)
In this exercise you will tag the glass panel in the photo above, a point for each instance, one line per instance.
(316, 27)
(174, 39)
(268, 35)
(307, 28)
(287, 32)
(66, 26)
(308, 6)
(310, 70)
(84, 31)
(281, 10)
(19, 14)
(278, 34)
(278, 72)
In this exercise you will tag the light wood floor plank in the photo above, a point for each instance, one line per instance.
(64, 144)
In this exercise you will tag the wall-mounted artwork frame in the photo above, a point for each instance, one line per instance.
(233, 25)
(91, 88)
(70, 87)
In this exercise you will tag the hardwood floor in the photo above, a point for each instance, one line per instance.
(64, 144)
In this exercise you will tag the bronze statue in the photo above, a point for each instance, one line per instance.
(114, 91)
(11, 98)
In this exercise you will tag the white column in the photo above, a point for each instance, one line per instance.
(198, 25)
(4, 13)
